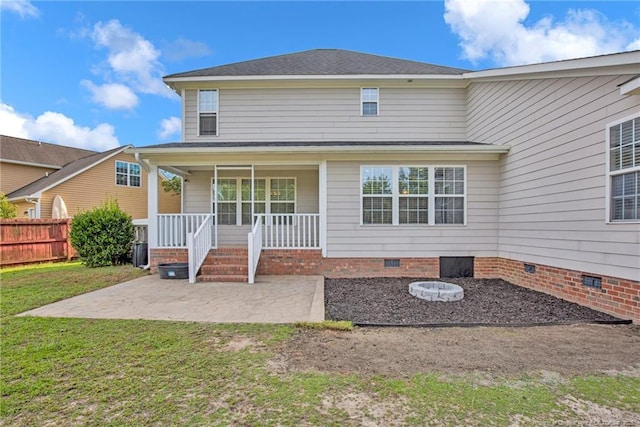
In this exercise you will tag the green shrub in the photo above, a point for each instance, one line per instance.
(7, 209)
(102, 236)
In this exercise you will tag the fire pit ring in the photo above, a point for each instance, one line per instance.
(436, 291)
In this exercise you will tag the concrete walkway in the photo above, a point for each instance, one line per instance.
(272, 299)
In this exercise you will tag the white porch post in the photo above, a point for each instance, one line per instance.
(322, 205)
(152, 207)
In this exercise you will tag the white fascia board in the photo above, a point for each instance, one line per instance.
(632, 87)
(38, 165)
(37, 195)
(317, 77)
(611, 60)
(115, 153)
(453, 148)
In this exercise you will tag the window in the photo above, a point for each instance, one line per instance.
(399, 195)
(624, 170)
(259, 199)
(234, 198)
(377, 192)
(282, 195)
(227, 201)
(128, 174)
(369, 101)
(208, 112)
(449, 195)
(413, 193)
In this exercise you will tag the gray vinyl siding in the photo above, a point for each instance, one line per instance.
(198, 197)
(332, 114)
(347, 238)
(552, 182)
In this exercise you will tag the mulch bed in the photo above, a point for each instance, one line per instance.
(386, 301)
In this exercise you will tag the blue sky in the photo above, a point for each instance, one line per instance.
(88, 74)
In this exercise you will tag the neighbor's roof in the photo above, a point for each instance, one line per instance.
(69, 171)
(319, 62)
(35, 153)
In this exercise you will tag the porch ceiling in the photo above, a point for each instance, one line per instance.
(301, 153)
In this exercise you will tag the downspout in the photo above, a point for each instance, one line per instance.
(146, 167)
(36, 202)
(142, 163)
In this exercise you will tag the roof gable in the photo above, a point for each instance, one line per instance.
(26, 151)
(318, 62)
(67, 172)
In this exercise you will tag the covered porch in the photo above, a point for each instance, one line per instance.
(241, 205)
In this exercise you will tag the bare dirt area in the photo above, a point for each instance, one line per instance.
(387, 301)
(493, 351)
(575, 346)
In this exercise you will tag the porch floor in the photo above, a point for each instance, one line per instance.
(271, 299)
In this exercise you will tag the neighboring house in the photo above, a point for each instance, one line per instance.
(74, 180)
(349, 164)
(23, 161)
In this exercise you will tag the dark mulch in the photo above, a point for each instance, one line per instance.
(486, 301)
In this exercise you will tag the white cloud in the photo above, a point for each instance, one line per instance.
(56, 128)
(496, 29)
(169, 127)
(183, 48)
(112, 95)
(24, 8)
(132, 58)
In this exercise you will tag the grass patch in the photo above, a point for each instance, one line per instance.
(333, 325)
(28, 287)
(135, 372)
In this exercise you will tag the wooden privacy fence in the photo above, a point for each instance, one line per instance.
(24, 241)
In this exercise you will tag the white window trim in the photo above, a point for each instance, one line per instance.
(267, 196)
(217, 111)
(362, 101)
(395, 195)
(115, 166)
(609, 173)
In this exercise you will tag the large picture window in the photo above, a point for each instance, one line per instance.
(208, 112)
(270, 195)
(624, 170)
(399, 195)
(128, 174)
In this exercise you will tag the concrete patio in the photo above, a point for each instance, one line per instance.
(272, 299)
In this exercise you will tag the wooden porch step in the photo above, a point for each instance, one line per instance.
(222, 278)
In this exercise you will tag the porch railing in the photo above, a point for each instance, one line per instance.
(290, 231)
(198, 245)
(255, 248)
(173, 228)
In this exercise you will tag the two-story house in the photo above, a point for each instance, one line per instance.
(341, 163)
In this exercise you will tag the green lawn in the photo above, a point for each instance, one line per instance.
(123, 372)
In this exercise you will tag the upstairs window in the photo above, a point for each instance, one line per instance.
(624, 170)
(208, 112)
(128, 174)
(369, 101)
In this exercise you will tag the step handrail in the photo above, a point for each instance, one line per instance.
(198, 245)
(254, 248)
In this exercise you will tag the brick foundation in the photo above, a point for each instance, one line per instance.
(619, 297)
(161, 256)
(310, 262)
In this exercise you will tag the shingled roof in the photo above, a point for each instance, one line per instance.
(68, 171)
(26, 151)
(322, 62)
